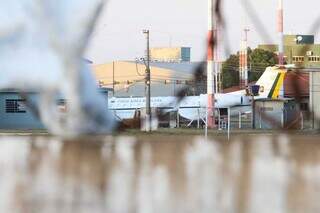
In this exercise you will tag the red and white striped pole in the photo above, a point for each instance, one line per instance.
(246, 30)
(216, 58)
(210, 68)
(243, 60)
(280, 32)
(241, 65)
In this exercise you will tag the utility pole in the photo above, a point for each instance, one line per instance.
(113, 78)
(246, 76)
(147, 83)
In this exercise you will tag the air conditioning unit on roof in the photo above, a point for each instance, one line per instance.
(309, 53)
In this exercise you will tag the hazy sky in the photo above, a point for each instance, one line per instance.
(118, 34)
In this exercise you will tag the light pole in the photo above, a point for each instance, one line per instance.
(147, 83)
(113, 78)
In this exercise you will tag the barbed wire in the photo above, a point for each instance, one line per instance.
(199, 72)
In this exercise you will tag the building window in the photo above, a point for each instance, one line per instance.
(15, 106)
(314, 58)
(298, 58)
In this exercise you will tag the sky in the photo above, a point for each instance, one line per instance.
(118, 33)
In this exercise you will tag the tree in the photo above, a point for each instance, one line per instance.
(258, 60)
(230, 71)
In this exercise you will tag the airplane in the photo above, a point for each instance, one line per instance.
(194, 107)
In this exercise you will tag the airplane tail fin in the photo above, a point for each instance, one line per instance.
(271, 82)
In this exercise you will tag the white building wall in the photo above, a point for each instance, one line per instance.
(315, 99)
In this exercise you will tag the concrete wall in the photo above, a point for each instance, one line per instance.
(274, 114)
(315, 99)
(265, 112)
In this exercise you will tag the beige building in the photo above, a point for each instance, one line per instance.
(170, 54)
(299, 50)
(127, 77)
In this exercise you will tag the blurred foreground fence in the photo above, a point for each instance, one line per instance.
(158, 173)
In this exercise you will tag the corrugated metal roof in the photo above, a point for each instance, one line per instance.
(186, 67)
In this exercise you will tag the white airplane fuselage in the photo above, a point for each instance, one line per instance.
(194, 107)
(191, 107)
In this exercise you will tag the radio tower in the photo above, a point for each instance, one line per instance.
(280, 32)
(243, 60)
(210, 68)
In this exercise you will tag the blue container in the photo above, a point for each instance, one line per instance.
(255, 90)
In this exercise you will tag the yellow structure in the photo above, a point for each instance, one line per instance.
(170, 54)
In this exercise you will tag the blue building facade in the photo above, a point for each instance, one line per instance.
(15, 115)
